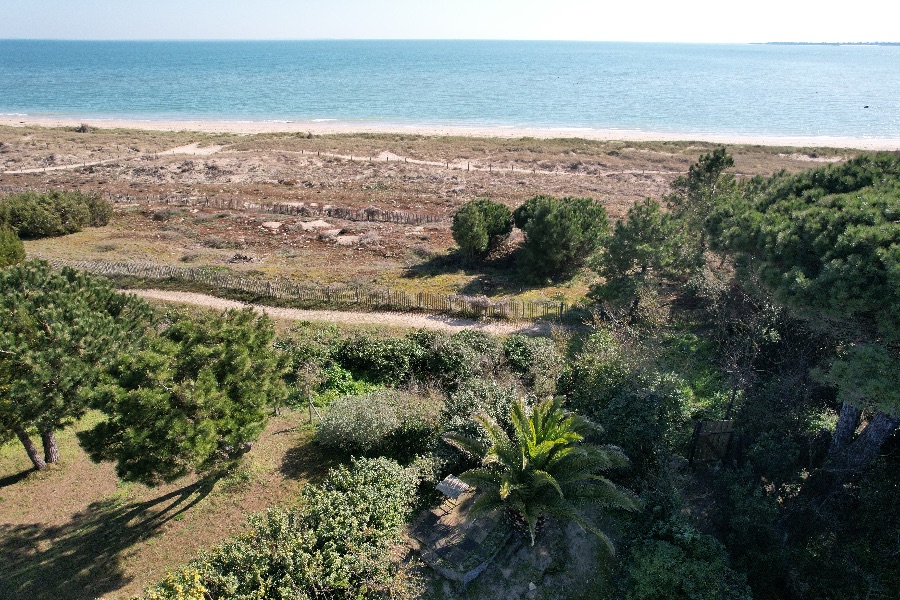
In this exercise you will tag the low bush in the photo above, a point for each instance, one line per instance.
(419, 356)
(11, 250)
(536, 360)
(335, 546)
(643, 411)
(480, 396)
(383, 360)
(33, 215)
(679, 562)
(386, 422)
(337, 382)
(463, 356)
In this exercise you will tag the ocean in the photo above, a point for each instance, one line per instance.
(741, 90)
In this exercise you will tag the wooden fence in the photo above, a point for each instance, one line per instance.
(711, 441)
(300, 209)
(381, 299)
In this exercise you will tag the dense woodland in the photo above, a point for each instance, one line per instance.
(772, 302)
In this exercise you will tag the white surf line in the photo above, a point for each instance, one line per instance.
(395, 319)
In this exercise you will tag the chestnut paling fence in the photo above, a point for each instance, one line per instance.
(380, 298)
(299, 209)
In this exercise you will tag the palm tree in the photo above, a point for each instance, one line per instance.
(544, 469)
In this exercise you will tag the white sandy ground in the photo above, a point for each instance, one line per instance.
(250, 127)
(392, 319)
(191, 150)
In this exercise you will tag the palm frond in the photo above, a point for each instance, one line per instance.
(470, 446)
(544, 468)
(543, 478)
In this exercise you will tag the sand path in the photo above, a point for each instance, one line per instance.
(190, 149)
(392, 319)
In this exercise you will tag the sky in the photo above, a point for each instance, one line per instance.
(702, 21)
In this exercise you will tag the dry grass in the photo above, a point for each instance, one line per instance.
(297, 168)
(75, 531)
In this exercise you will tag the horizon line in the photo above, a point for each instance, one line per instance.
(449, 39)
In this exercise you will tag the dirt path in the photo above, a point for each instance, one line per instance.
(392, 319)
(190, 149)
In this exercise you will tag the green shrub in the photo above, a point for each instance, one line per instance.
(480, 226)
(643, 411)
(476, 396)
(421, 356)
(387, 421)
(382, 360)
(679, 562)
(337, 382)
(12, 251)
(536, 360)
(335, 546)
(48, 214)
(560, 234)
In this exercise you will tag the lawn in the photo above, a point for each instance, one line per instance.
(76, 531)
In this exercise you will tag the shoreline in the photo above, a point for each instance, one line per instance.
(325, 128)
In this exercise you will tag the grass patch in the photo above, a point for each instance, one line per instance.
(75, 531)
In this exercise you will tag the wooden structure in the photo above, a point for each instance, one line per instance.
(711, 442)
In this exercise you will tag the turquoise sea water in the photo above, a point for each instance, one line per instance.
(768, 90)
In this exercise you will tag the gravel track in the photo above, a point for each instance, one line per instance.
(393, 319)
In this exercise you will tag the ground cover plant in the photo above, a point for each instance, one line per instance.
(333, 546)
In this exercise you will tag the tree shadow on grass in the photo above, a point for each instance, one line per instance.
(310, 462)
(498, 275)
(83, 557)
(14, 479)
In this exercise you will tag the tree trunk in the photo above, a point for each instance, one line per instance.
(51, 450)
(843, 432)
(865, 448)
(30, 448)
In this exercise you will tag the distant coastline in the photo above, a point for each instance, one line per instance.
(832, 43)
(332, 127)
(608, 90)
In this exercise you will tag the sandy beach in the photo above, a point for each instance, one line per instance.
(331, 127)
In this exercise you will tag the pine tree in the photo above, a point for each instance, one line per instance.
(480, 226)
(11, 250)
(58, 332)
(560, 234)
(194, 397)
